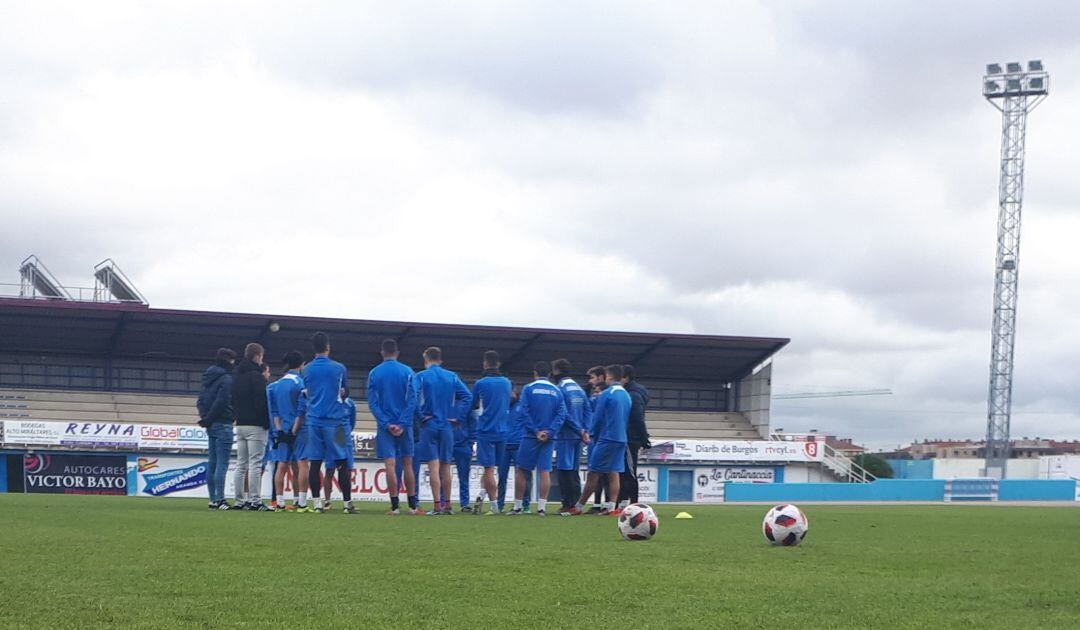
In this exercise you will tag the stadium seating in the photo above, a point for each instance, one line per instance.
(90, 406)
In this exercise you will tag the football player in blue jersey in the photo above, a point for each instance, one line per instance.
(327, 385)
(543, 411)
(442, 401)
(286, 403)
(491, 401)
(388, 399)
(607, 457)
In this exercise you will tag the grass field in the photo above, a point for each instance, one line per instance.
(155, 563)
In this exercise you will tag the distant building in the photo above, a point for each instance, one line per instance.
(1022, 448)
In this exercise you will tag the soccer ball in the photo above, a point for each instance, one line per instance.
(785, 525)
(638, 522)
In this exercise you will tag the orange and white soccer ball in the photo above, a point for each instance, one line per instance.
(785, 525)
(638, 522)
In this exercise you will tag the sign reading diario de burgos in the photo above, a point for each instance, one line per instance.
(735, 451)
(75, 474)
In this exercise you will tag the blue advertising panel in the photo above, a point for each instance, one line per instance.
(56, 473)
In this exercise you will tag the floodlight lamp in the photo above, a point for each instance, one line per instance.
(1014, 66)
(992, 87)
(1012, 85)
(1036, 84)
(1035, 65)
(993, 68)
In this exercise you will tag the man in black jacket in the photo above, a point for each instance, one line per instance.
(637, 436)
(216, 416)
(252, 423)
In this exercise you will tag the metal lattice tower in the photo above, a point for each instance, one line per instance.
(1014, 92)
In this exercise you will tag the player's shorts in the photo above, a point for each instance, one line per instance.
(284, 452)
(436, 444)
(607, 457)
(489, 452)
(535, 455)
(305, 444)
(462, 453)
(332, 443)
(567, 454)
(387, 446)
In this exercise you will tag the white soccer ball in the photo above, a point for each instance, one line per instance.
(638, 522)
(785, 525)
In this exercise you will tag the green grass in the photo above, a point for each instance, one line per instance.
(160, 563)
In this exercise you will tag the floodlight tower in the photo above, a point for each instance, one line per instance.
(1014, 92)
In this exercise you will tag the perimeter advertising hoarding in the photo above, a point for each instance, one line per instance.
(188, 476)
(709, 483)
(58, 473)
(735, 451)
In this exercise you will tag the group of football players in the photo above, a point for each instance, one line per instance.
(433, 417)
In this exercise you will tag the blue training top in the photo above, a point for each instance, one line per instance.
(388, 393)
(327, 385)
(491, 397)
(611, 415)
(439, 396)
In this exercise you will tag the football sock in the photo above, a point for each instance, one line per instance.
(394, 503)
(345, 482)
(413, 501)
(517, 505)
(348, 504)
(541, 504)
(624, 503)
(579, 506)
(302, 500)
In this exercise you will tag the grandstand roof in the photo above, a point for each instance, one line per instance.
(54, 327)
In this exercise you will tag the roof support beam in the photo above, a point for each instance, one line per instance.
(520, 352)
(644, 354)
(114, 338)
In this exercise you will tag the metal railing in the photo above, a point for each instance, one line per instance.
(840, 465)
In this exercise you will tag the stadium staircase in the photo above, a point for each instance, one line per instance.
(840, 466)
(94, 406)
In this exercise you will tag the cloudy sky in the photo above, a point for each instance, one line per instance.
(824, 171)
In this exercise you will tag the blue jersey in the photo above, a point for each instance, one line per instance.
(578, 410)
(285, 400)
(439, 396)
(542, 408)
(388, 393)
(465, 432)
(611, 414)
(327, 385)
(491, 398)
(515, 429)
(350, 413)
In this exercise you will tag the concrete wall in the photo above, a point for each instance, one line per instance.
(754, 398)
(970, 468)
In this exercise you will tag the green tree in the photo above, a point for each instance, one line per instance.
(874, 465)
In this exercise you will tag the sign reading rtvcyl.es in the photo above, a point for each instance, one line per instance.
(735, 451)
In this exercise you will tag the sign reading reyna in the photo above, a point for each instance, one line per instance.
(735, 451)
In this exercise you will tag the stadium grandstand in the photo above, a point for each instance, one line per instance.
(112, 358)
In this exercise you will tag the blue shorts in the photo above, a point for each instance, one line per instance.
(388, 446)
(284, 452)
(436, 444)
(535, 455)
(304, 447)
(463, 453)
(489, 452)
(607, 457)
(332, 442)
(567, 454)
